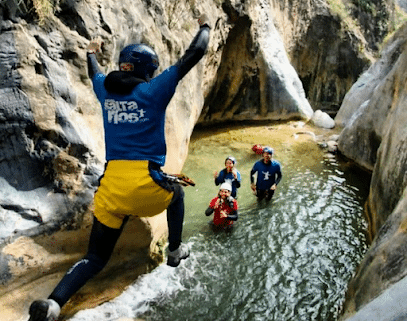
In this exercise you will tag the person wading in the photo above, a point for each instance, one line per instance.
(229, 174)
(224, 208)
(268, 175)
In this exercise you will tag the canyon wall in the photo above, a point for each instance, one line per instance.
(374, 116)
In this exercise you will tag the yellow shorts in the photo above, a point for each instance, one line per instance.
(128, 189)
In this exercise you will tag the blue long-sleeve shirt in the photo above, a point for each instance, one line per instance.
(267, 174)
(134, 122)
(225, 176)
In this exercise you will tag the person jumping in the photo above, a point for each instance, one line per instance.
(134, 103)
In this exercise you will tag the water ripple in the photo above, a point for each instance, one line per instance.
(289, 259)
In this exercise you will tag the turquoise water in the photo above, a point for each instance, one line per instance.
(289, 259)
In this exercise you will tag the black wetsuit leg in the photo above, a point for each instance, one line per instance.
(264, 194)
(260, 194)
(175, 211)
(269, 195)
(175, 218)
(101, 244)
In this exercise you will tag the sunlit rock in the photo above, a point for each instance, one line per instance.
(255, 79)
(323, 120)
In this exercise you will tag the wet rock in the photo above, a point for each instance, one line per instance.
(332, 146)
(334, 138)
(330, 55)
(388, 306)
(366, 106)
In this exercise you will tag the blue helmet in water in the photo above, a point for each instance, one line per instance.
(139, 59)
(268, 149)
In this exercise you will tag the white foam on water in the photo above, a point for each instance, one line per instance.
(155, 286)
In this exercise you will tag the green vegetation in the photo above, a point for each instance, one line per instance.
(385, 22)
(42, 8)
(400, 18)
(365, 5)
(339, 8)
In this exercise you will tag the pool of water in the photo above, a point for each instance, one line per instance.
(288, 259)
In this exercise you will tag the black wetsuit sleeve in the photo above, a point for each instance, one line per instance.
(195, 51)
(209, 211)
(279, 177)
(93, 66)
(252, 172)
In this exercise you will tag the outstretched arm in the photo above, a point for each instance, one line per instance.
(196, 49)
(93, 66)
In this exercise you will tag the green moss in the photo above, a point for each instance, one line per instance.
(339, 8)
(44, 9)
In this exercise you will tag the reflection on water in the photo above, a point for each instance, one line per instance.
(289, 259)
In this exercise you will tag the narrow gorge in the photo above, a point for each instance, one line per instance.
(326, 62)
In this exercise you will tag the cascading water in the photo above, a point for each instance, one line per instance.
(289, 259)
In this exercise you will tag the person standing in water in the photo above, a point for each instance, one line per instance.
(268, 175)
(224, 207)
(229, 174)
(134, 103)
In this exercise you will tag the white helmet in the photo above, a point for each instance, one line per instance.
(226, 186)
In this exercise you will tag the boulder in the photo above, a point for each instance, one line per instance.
(332, 146)
(323, 120)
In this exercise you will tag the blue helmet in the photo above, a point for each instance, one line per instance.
(139, 59)
(268, 149)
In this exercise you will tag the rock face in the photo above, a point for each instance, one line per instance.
(330, 43)
(375, 136)
(388, 306)
(48, 167)
(255, 79)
